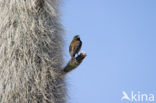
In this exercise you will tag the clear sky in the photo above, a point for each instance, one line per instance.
(119, 37)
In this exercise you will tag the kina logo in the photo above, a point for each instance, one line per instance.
(137, 97)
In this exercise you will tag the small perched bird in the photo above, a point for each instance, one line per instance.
(75, 46)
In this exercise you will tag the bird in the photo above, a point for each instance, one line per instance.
(125, 96)
(75, 46)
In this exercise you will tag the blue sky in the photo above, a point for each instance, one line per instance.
(119, 37)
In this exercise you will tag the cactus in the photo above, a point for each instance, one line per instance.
(31, 54)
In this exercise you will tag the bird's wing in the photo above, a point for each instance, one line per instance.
(77, 46)
(72, 47)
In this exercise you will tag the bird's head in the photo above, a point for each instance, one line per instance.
(76, 37)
